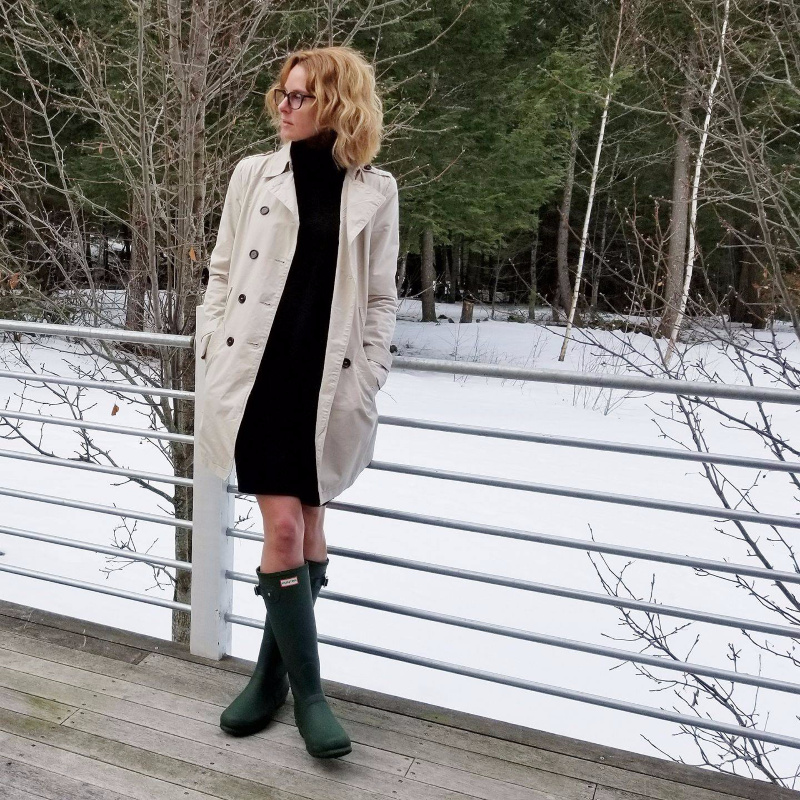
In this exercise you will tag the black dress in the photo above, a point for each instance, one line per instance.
(274, 452)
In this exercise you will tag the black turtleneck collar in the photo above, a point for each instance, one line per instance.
(316, 149)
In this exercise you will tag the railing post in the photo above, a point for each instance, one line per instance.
(212, 549)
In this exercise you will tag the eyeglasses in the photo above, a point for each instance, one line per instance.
(295, 98)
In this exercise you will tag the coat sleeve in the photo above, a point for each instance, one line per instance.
(381, 316)
(219, 262)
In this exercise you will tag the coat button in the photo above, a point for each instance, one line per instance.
(367, 166)
(242, 298)
(264, 209)
(254, 254)
(230, 341)
(346, 362)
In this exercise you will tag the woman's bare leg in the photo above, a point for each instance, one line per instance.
(284, 529)
(314, 546)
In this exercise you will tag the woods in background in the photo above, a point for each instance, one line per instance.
(121, 124)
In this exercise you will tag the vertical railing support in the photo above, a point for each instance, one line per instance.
(212, 548)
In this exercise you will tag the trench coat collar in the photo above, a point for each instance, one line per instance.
(360, 201)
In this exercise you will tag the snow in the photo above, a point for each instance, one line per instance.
(571, 411)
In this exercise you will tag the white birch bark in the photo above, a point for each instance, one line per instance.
(687, 280)
(595, 169)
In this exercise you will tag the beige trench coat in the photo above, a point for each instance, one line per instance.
(247, 272)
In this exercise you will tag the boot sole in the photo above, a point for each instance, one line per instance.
(336, 753)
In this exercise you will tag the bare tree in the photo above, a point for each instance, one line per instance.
(168, 91)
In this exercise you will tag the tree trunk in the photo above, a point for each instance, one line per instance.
(473, 268)
(533, 294)
(456, 269)
(189, 48)
(679, 221)
(428, 277)
(137, 270)
(747, 306)
(495, 280)
(562, 250)
(401, 275)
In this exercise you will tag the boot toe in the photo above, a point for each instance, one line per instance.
(323, 734)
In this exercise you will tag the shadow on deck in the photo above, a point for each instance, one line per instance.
(89, 712)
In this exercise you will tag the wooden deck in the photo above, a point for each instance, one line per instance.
(88, 712)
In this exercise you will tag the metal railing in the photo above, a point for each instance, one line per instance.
(214, 533)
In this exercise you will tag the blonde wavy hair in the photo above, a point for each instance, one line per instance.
(343, 82)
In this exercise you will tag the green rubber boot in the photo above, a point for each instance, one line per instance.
(291, 611)
(266, 692)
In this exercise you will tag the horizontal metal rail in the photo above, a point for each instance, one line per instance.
(595, 444)
(108, 470)
(705, 564)
(602, 380)
(557, 591)
(542, 688)
(94, 587)
(117, 512)
(565, 644)
(109, 386)
(589, 494)
(109, 334)
(97, 548)
(99, 426)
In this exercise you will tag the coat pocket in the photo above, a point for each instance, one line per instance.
(365, 374)
(205, 342)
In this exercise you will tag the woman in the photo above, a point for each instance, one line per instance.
(301, 290)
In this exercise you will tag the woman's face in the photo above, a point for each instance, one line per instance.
(297, 123)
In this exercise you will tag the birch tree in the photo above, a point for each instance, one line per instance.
(593, 184)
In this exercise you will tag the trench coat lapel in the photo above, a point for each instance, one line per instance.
(359, 200)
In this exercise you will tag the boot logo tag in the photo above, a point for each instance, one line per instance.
(289, 582)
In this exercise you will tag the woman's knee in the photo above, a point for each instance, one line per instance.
(283, 526)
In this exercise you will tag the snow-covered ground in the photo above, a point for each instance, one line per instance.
(580, 412)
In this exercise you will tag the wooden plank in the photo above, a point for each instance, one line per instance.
(105, 633)
(9, 793)
(54, 681)
(137, 772)
(256, 768)
(128, 782)
(602, 757)
(372, 740)
(176, 681)
(459, 780)
(654, 787)
(34, 706)
(43, 783)
(169, 677)
(604, 793)
(13, 646)
(631, 772)
(74, 639)
(210, 769)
